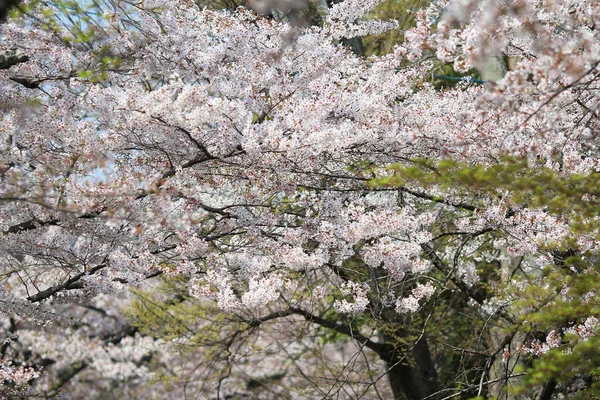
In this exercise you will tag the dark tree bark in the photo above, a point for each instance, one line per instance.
(412, 376)
(5, 7)
(415, 376)
(11, 57)
(547, 390)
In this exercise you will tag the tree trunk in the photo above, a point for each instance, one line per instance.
(415, 377)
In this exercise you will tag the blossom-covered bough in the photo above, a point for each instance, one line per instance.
(245, 163)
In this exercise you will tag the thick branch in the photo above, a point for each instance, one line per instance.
(29, 225)
(385, 352)
(75, 283)
(274, 315)
(438, 199)
(44, 294)
(11, 57)
(189, 135)
(547, 390)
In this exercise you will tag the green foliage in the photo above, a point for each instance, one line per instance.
(168, 313)
(402, 11)
(446, 77)
(405, 11)
(566, 292)
(84, 26)
(534, 186)
(16, 10)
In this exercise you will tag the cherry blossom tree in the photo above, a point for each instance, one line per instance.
(293, 196)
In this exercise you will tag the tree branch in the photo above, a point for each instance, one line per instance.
(437, 199)
(474, 294)
(11, 57)
(384, 351)
(44, 294)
